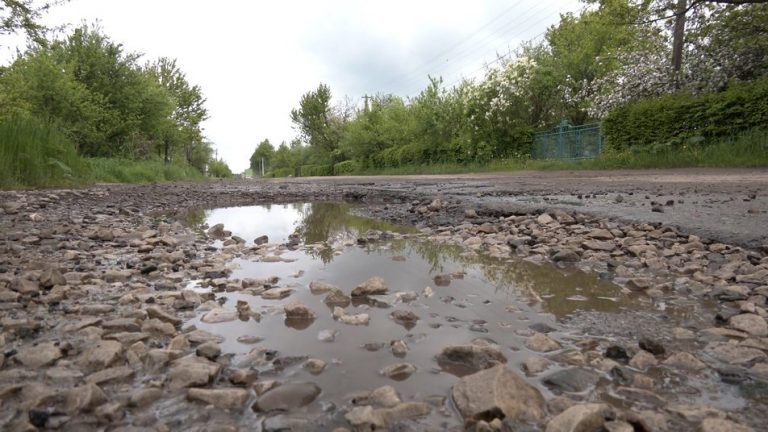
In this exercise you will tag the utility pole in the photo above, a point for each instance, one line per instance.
(262, 167)
(678, 39)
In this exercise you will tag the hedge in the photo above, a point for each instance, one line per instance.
(681, 116)
(316, 170)
(346, 168)
(282, 172)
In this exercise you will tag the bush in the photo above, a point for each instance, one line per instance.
(316, 170)
(346, 168)
(682, 116)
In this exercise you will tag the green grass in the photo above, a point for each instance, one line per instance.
(103, 170)
(36, 154)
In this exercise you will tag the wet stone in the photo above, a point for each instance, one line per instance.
(684, 360)
(319, 287)
(327, 335)
(314, 366)
(467, 359)
(276, 293)
(144, 397)
(337, 298)
(722, 425)
(110, 375)
(298, 311)
(541, 343)
(399, 371)
(39, 355)
(652, 346)
(399, 348)
(587, 417)
(753, 324)
(219, 315)
(287, 396)
(407, 319)
(615, 352)
(192, 373)
(373, 286)
(227, 399)
(103, 354)
(574, 380)
(209, 350)
(733, 354)
(497, 393)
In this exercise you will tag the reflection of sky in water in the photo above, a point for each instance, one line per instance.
(558, 291)
(276, 221)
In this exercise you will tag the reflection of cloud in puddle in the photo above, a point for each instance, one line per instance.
(277, 221)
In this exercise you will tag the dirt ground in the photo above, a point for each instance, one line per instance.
(725, 204)
(95, 304)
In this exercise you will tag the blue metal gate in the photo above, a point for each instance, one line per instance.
(569, 142)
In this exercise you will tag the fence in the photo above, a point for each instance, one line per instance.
(569, 142)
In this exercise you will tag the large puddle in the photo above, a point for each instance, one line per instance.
(457, 296)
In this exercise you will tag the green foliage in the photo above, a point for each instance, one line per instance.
(264, 153)
(24, 15)
(316, 170)
(115, 170)
(35, 153)
(346, 168)
(679, 117)
(282, 172)
(106, 104)
(219, 169)
(317, 124)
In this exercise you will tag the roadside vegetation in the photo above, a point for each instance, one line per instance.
(696, 99)
(79, 109)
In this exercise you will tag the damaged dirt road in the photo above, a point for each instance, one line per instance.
(116, 312)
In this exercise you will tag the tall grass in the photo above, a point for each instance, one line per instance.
(34, 153)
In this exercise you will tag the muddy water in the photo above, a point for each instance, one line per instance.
(483, 298)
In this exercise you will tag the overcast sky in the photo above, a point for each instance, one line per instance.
(254, 59)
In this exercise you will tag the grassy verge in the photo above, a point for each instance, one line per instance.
(102, 170)
(749, 149)
(34, 153)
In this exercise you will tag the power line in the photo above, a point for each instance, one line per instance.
(407, 84)
(497, 60)
(509, 9)
(500, 32)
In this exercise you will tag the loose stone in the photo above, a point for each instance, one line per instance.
(497, 392)
(373, 286)
(228, 399)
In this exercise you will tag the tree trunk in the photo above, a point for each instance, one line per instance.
(678, 39)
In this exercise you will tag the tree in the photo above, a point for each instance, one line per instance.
(261, 157)
(317, 124)
(727, 43)
(678, 12)
(24, 15)
(585, 47)
(219, 169)
(189, 107)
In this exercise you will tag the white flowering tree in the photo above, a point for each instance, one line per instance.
(725, 43)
